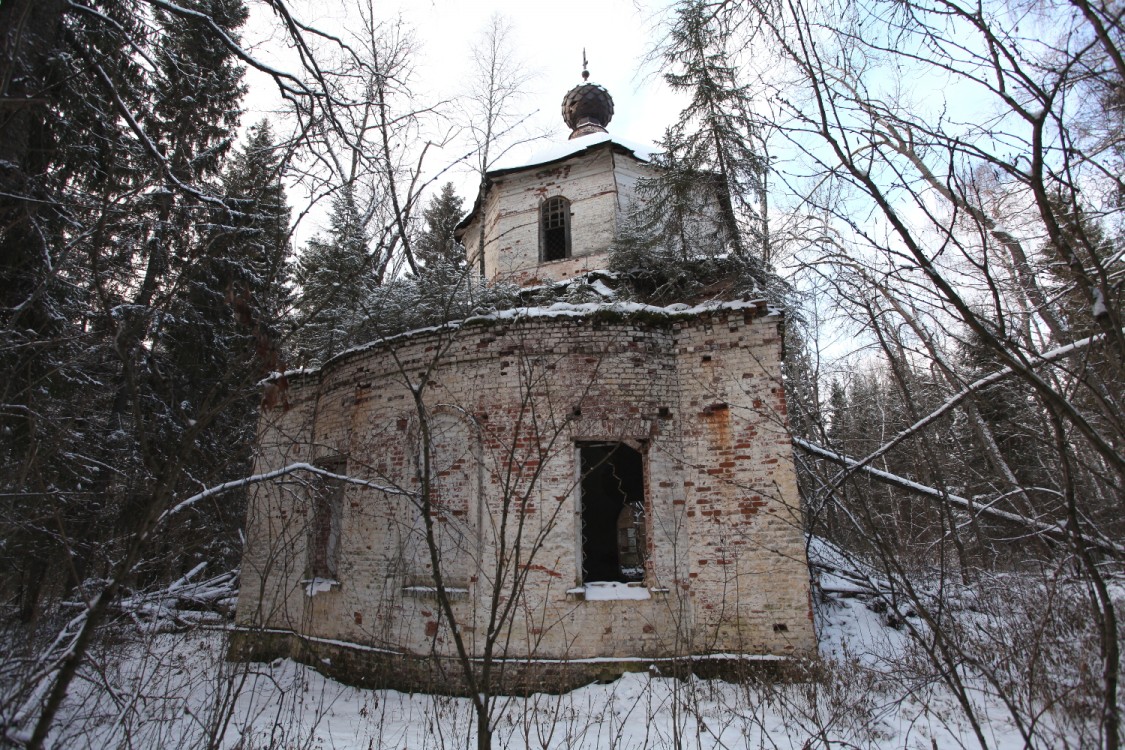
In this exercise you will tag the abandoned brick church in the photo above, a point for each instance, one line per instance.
(602, 486)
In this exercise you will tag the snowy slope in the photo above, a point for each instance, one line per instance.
(175, 689)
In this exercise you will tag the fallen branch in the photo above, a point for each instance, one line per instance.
(968, 390)
(1043, 527)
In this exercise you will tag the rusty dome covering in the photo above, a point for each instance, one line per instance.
(587, 108)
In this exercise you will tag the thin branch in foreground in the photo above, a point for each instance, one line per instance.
(265, 477)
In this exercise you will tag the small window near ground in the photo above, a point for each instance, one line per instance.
(324, 530)
(554, 229)
(613, 513)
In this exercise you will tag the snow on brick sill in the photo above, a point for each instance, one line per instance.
(314, 586)
(608, 591)
(422, 592)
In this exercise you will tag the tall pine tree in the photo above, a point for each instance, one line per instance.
(224, 333)
(336, 281)
(699, 226)
(226, 327)
(195, 94)
(436, 245)
(190, 116)
(128, 116)
(716, 141)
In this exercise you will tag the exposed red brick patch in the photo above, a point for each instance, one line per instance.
(544, 569)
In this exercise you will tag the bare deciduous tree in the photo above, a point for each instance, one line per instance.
(955, 169)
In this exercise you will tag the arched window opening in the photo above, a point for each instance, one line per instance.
(554, 229)
(453, 504)
(327, 494)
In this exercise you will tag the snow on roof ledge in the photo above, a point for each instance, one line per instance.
(557, 151)
(557, 310)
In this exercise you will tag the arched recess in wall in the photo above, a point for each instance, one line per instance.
(554, 229)
(325, 496)
(450, 493)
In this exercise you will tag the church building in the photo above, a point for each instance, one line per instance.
(563, 492)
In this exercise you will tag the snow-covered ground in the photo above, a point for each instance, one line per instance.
(176, 690)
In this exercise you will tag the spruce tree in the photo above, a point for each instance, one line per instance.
(227, 322)
(839, 423)
(197, 86)
(118, 116)
(715, 143)
(195, 93)
(224, 332)
(436, 245)
(250, 243)
(698, 228)
(192, 111)
(336, 282)
(92, 216)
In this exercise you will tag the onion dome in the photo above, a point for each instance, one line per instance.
(587, 108)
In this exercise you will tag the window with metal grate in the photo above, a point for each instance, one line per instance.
(554, 229)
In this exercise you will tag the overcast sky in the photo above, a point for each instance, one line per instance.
(548, 37)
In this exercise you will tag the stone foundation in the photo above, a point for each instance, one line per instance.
(381, 669)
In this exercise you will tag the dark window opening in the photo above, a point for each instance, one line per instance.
(554, 229)
(324, 531)
(613, 513)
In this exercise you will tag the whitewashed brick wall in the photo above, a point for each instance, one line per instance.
(699, 395)
(599, 184)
